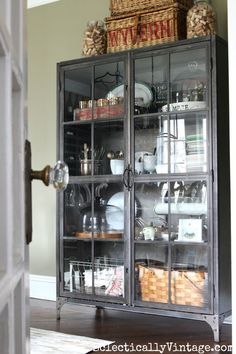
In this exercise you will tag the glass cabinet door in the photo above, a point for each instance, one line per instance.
(94, 146)
(94, 239)
(170, 138)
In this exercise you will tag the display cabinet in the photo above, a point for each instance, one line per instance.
(144, 224)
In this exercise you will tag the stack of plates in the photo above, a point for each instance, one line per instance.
(195, 153)
(194, 144)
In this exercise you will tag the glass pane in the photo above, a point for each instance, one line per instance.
(109, 90)
(77, 202)
(108, 228)
(188, 211)
(151, 155)
(77, 149)
(109, 148)
(108, 219)
(151, 275)
(188, 142)
(109, 268)
(186, 201)
(150, 91)
(149, 225)
(188, 77)
(77, 94)
(77, 259)
(189, 275)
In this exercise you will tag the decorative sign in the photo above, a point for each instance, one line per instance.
(190, 230)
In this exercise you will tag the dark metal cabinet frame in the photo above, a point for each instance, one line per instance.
(217, 177)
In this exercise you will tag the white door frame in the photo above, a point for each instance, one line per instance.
(232, 94)
(14, 320)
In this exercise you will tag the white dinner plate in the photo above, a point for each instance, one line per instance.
(141, 91)
(116, 219)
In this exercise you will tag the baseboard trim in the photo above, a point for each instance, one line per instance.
(43, 287)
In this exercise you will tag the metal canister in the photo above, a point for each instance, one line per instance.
(116, 100)
(92, 103)
(102, 102)
(83, 104)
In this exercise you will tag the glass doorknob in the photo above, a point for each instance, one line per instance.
(58, 175)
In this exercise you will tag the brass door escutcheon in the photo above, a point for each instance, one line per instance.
(57, 176)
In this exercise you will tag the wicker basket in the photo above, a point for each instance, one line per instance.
(187, 287)
(145, 29)
(120, 7)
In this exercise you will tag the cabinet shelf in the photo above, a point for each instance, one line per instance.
(173, 113)
(181, 208)
(97, 121)
(75, 239)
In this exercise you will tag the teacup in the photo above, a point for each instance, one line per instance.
(138, 167)
(149, 163)
(149, 233)
(117, 166)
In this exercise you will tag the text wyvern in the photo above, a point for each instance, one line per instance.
(147, 32)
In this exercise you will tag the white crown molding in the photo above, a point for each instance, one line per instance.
(34, 3)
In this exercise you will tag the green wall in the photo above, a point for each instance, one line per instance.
(55, 33)
(220, 7)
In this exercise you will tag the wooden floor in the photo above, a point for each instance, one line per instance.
(124, 327)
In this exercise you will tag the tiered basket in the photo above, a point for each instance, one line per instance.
(121, 7)
(187, 287)
(145, 28)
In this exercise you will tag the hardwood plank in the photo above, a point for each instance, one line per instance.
(123, 327)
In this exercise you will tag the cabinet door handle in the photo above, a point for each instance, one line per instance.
(126, 177)
(130, 178)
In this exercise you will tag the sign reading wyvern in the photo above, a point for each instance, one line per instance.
(145, 29)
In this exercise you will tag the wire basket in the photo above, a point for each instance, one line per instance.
(145, 29)
(120, 7)
(188, 288)
(104, 275)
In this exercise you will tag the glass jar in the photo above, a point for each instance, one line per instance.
(94, 39)
(201, 19)
(99, 221)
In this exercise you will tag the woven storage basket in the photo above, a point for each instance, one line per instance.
(120, 7)
(187, 287)
(145, 29)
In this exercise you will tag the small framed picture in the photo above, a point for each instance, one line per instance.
(190, 230)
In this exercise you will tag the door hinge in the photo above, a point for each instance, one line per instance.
(214, 291)
(59, 276)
